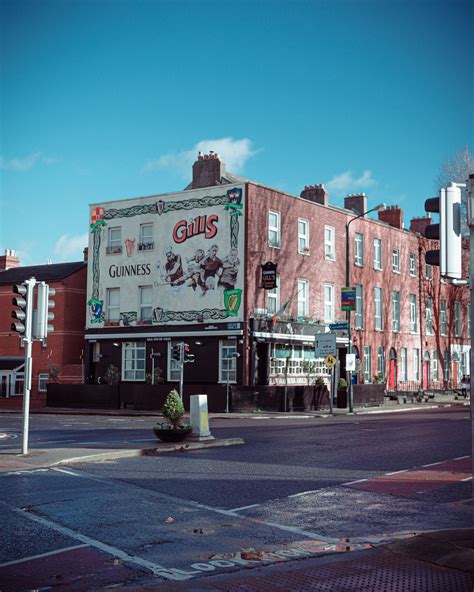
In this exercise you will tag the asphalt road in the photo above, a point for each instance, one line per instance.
(296, 482)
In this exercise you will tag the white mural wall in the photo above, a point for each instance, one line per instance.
(170, 259)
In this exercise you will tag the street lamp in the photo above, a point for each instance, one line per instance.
(377, 208)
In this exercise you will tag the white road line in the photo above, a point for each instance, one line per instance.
(65, 471)
(153, 567)
(352, 482)
(245, 508)
(461, 457)
(31, 557)
(436, 463)
(396, 472)
(468, 479)
(303, 493)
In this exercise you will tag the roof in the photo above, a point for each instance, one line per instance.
(42, 273)
(227, 179)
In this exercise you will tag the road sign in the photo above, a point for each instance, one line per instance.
(342, 326)
(324, 344)
(330, 361)
(348, 299)
(350, 362)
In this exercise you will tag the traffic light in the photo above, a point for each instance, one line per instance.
(188, 356)
(448, 232)
(43, 315)
(177, 352)
(22, 315)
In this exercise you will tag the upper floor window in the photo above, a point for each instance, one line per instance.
(396, 261)
(378, 324)
(443, 320)
(329, 242)
(328, 303)
(377, 254)
(412, 264)
(359, 249)
(146, 237)
(273, 298)
(359, 311)
(428, 271)
(302, 298)
(114, 244)
(413, 319)
(395, 311)
(113, 304)
(274, 238)
(146, 303)
(133, 361)
(429, 316)
(303, 236)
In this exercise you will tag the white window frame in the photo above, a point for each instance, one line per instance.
(113, 308)
(396, 260)
(380, 361)
(114, 240)
(146, 238)
(416, 364)
(329, 243)
(43, 378)
(274, 229)
(146, 304)
(358, 249)
(395, 311)
(359, 311)
(457, 319)
(367, 364)
(403, 364)
(329, 304)
(435, 359)
(303, 236)
(133, 361)
(378, 309)
(227, 361)
(428, 271)
(443, 317)
(273, 298)
(302, 298)
(378, 254)
(429, 316)
(413, 313)
(412, 264)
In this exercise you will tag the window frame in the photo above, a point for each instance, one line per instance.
(429, 315)
(114, 306)
(114, 245)
(227, 365)
(378, 266)
(367, 364)
(416, 364)
(378, 308)
(302, 298)
(303, 237)
(274, 244)
(412, 264)
(359, 310)
(329, 243)
(396, 260)
(457, 318)
(133, 347)
(146, 245)
(274, 297)
(395, 311)
(443, 317)
(413, 316)
(329, 304)
(359, 249)
(403, 364)
(43, 382)
(148, 305)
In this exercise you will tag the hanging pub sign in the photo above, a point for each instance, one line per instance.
(348, 299)
(269, 275)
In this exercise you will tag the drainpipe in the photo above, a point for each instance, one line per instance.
(420, 306)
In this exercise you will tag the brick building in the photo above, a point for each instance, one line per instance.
(187, 267)
(59, 357)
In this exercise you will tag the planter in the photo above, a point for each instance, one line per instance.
(172, 434)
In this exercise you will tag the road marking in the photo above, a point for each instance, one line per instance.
(461, 457)
(397, 472)
(66, 471)
(436, 463)
(245, 507)
(31, 557)
(351, 482)
(468, 479)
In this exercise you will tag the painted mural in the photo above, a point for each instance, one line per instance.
(174, 260)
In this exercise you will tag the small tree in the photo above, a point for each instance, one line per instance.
(53, 373)
(112, 375)
(173, 409)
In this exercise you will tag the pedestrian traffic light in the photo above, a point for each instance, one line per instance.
(177, 352)
(43, 314)
(448, 232)
(188, 356)
(21, 313)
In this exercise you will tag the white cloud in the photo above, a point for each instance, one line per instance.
(21, 165)
(234, 153)
(71, 248)
(346, 182)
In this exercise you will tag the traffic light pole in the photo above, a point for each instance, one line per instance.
(181, 369)
(28, 341)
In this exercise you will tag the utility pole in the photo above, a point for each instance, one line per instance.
(470, 222)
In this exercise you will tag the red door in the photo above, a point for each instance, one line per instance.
(426, 374)
(392, 375)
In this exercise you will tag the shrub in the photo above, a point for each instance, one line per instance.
(173, 409)
(112, 375)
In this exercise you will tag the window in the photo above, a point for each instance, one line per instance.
(380, 361)
(468, 321)
(435, 366)
(146, 237)
(378, 324)
(43, 382)
(457, 319)
(289, 364)
(328, 303)
(428, 271)
(133, 361)
(302, 298)
(359, 249)
(413, 264)
(329, 241)
(442, 317)
(113, 304)
(377, 254)
(114, 244)
(359, 311)
(446, 365)
(303, 236)
(403, 364)
(429, 316)
(413, 320)
(396, 261)
(367, 363)
(227, 361)
(395, 312)
(146, 303)
(416, 364)
(274, 229)
(273, 298)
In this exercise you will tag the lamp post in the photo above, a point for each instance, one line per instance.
(377, 208)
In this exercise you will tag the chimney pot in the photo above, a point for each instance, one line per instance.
(315, 193)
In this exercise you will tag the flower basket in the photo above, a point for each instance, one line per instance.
(167, 433)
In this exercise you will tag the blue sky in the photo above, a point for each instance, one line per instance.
(109, 100)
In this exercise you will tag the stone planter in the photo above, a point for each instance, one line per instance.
(172, 434)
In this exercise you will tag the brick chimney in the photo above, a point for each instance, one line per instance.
(420, 224)
(393, 216)
(86, 254)
(208, 170)
(9, 260)
(356, 202)
(316, 193)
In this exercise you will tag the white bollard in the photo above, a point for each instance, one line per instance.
(199, 418)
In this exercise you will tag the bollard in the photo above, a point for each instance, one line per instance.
(199, 419)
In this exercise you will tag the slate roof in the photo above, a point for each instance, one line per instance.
(43, 273)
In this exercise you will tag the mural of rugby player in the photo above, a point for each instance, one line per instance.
(194, 275)
(230, 270)
(173, 268)
(211, 267)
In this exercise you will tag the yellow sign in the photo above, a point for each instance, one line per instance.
(330, 361)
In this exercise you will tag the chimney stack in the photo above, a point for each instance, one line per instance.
(86, 254)
(9, 260)
(356, 202)
(420, 224)
(392, 215)
(208, 170)
(316, 193)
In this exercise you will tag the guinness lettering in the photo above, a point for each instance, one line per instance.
(117, 271)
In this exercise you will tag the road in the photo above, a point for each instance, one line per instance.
(297, 486)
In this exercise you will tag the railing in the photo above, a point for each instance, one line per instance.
(113, 250)
(145, 246)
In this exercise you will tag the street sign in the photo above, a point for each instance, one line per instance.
(342, 326)
(324, 344)
(330, 361)
(348, 299)
(269, 275)
(350, 362)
